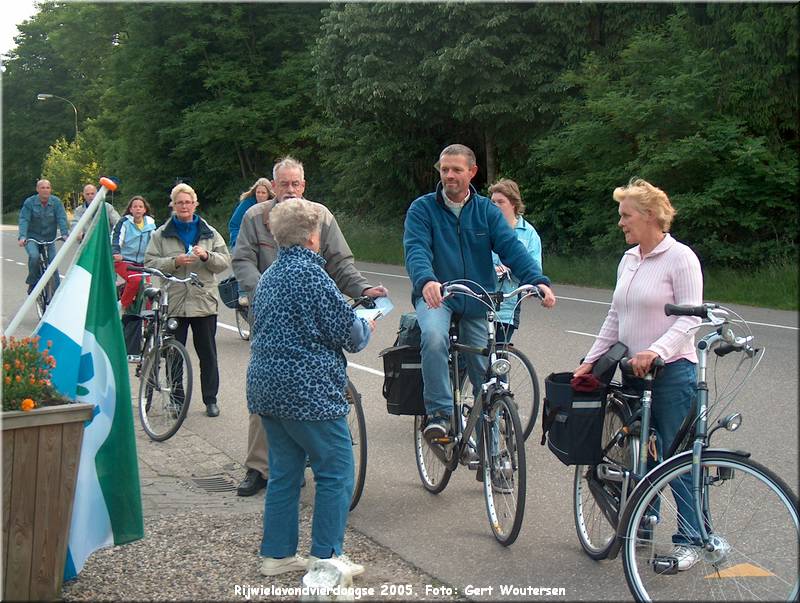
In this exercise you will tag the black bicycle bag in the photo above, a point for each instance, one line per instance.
(402, 382)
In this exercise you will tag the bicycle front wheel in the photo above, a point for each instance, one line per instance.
(597, 489)
(524, 384)
(165, 390)
(242, 324)
(358, 437)
(503, 466)
(45, 296)
(433, 473)
(752, 518)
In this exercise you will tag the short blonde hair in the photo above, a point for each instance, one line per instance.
(182, 188)
(510, 189)
(293, 221)
(648, 200)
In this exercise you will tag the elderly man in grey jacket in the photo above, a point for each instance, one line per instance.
(255, 251)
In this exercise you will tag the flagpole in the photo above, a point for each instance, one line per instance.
(106, 185)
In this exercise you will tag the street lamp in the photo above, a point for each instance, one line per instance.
(44, 97)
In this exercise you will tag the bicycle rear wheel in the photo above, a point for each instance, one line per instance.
(242, 324)
(358, 437)
(432, 471)
(165, 390)
(596, 499)
(752, 518)
(524, 384)
(504, 470)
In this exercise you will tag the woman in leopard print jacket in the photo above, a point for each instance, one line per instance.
(295, 382)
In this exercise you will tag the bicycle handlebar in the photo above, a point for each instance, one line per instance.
(449, 289)
(61, 238)
(193, 278)
(699, 311)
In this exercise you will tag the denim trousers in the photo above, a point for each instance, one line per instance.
(434, 323)
(674, 391)
(329, 449)
(33, 262)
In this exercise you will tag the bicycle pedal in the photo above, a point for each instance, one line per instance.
(474, 465)
(441, 441)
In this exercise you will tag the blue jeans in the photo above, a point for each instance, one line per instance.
(435, 327)
(32, 250)
(328, 446)
(674, 391)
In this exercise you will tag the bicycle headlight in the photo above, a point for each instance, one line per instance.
(733, 422)
(172, 324)
(500, 367)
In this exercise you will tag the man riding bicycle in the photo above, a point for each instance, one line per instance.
(450, 234)
(40, 216)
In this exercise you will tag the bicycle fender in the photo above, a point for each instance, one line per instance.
(644, 483)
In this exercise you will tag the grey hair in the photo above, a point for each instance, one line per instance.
(287, 162)
(293, 221)
(460, 149)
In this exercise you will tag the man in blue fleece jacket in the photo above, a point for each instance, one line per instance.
(450, 234)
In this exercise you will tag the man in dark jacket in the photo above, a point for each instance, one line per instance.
(450, 234)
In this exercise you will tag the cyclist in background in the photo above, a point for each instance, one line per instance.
(658, 270)
(89, 192)
(506, 196)
(128, 243)
(41, 215)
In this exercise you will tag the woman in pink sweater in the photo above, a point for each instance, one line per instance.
(657, 271)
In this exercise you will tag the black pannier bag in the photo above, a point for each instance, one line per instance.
(229, 292)
(402, 382)
(402, 369)
(572, 421)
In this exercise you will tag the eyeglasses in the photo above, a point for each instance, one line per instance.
(183, 203)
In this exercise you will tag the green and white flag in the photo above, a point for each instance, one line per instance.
(91, 366)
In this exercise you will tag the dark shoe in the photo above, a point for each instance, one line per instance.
(437, 428)
(212, 410)
(252, 483)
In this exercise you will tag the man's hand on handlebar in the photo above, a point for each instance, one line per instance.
(379, 291)
(432, 294)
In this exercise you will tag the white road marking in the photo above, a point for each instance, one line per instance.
(581, 333)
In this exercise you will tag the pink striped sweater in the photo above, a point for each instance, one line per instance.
(669, 274)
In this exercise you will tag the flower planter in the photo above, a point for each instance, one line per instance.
(41, 452)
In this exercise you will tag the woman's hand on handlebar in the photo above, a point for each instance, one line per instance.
(548, 297)
(583, 369)
(432, 294)
(642, 362)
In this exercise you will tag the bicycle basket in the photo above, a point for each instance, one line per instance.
(572, 421)
(402, 383)
(229, 292)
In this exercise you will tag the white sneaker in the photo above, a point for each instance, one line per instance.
(356, 569)
(687, 556)
(272, 567)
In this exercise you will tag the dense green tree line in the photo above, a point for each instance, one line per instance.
(569, 100)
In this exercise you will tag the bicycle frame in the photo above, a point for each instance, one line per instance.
(492, 385)
(702, 436)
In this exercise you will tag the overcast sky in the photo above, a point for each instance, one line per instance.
(14, 12)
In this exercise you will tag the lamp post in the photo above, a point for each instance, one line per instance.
(44, 97)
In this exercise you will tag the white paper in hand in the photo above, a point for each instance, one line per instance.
(383, 305)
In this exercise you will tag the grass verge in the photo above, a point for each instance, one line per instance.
(773, 285)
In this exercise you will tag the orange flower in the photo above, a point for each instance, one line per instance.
(28, 404)
(18, 379)
(7, 366)
(8, 380)
(49, 343)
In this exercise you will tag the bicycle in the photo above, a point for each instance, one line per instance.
(493, 420)
(46, 294)
(243, 321)
(749, 530)
(164, 368)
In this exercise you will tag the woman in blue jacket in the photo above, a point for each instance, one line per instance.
(296, 381)
(258, 193)
(506, 196)
(128, 243)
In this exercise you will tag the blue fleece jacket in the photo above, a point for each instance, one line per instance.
(129, 241)
(235, 222)
(440, 247)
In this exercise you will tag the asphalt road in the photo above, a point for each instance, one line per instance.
(448, 534)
